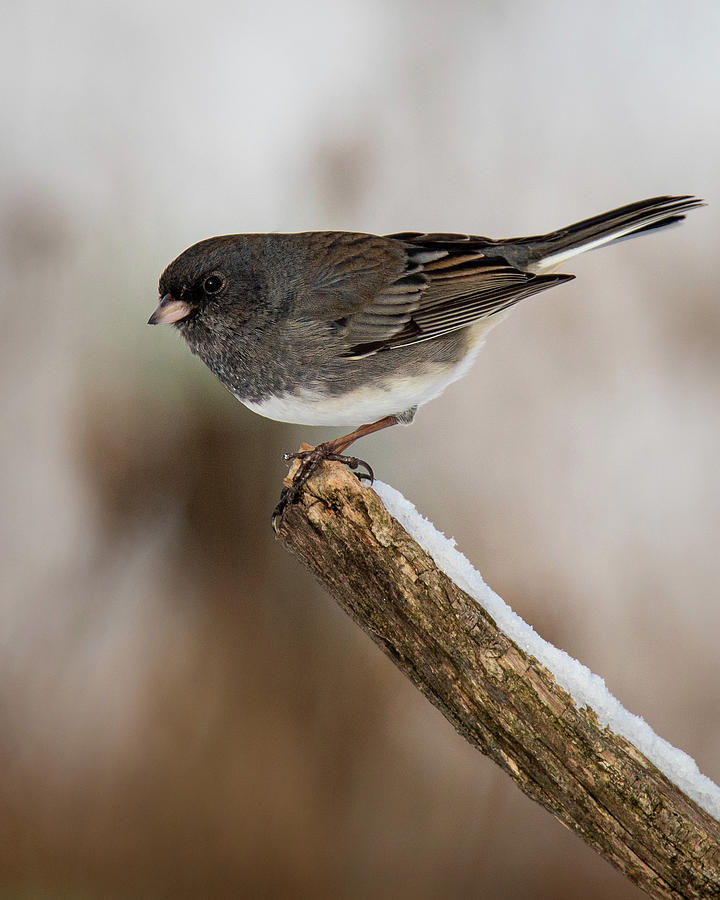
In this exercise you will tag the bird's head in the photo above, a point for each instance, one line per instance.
(212, 282)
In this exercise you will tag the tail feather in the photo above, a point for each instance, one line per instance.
(549, 250)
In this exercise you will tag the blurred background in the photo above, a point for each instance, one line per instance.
(184, 711)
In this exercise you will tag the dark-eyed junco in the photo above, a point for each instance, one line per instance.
(338, 328)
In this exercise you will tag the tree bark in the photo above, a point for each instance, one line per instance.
(499, 698)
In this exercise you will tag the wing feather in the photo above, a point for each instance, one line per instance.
(380, 293)
(456, 287)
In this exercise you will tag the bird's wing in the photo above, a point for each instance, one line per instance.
(407, 288)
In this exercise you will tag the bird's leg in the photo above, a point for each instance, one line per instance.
(332, 450)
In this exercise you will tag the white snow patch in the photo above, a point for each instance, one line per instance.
(584, 687)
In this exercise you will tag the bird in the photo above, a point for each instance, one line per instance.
(360, 330)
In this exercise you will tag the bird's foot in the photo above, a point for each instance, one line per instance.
(309, 461)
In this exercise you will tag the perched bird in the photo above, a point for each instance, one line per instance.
(339, 328)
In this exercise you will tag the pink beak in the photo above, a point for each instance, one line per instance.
(169, 310)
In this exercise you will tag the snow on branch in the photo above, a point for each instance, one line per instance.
(542, 716)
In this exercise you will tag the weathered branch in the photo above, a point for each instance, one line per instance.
(499, 698)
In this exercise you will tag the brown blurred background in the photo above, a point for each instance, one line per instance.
(184, 712)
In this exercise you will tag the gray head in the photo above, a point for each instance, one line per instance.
(215, 287)
(228, 302)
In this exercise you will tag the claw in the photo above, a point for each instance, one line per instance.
(309, 461)
(370, 475)
(285, 500)
(353, 462)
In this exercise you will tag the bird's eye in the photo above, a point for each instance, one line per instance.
(213, 284)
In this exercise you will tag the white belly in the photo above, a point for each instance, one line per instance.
(367, 404)
(357, 407)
